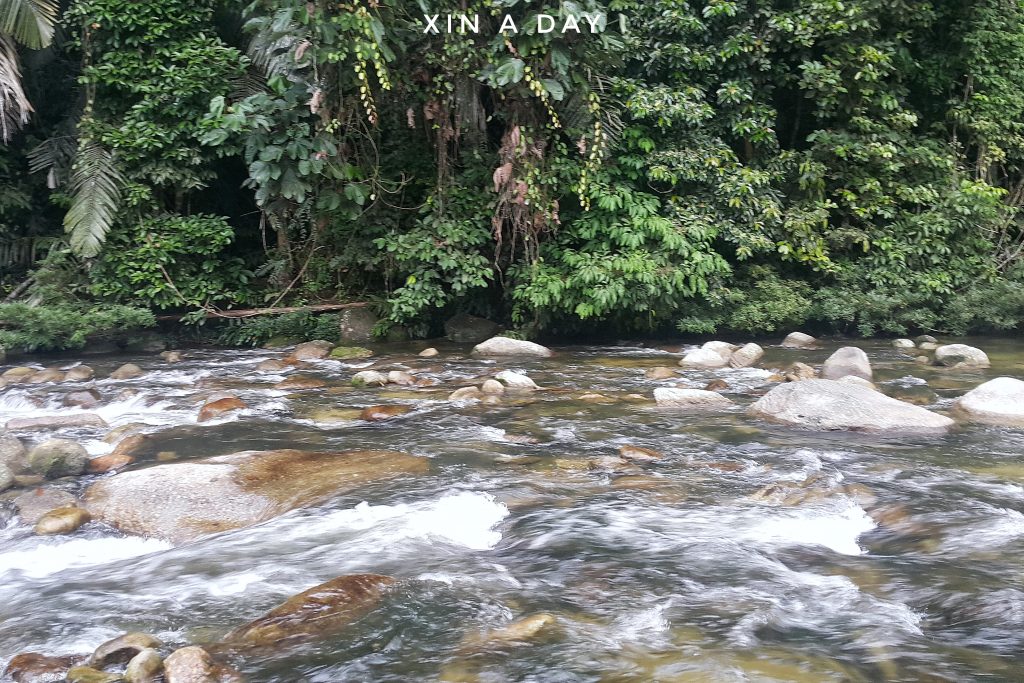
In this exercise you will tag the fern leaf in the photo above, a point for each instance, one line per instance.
(95, 198)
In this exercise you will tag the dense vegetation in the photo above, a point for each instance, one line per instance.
(747, 165)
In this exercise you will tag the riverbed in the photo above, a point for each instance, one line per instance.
(745, 551)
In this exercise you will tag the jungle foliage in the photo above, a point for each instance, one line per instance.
(704, 165)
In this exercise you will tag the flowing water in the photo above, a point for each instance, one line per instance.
(749, 552)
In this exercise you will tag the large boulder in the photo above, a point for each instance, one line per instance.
(127, 371)
(58, 458)
(356, 325)
(13, 453)
(505, 346)
(465, 328)
(829, 405)
(33, 667)
(961, 356)
(312, 350)
(56, 422)
(80, 373)
(704, 359)
(516, 380)
(690, 399)
(799, 340)
(85, 398)
(318, 613)
(746, 355)
(183, 501)
(999, 401)
(848, 360)
(723, 349)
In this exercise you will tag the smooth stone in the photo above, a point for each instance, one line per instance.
(316, 613)
(723, 349)
(86, 674)
(697, 399)
(272, 365)
(132, 444)
(961, 356)
(716, 385)
(797, 372)
(58, 458)
(184, 501)
(925, 339)
(928, 346)
(999, 401)
(829, 405)
(44, 376)
(300, 382)
(127, 371)
(428, 353)
(7, 478)
(378, 413)
(56, 422)
(121, 649)
(13, 453)
(33, 667)
(505, 346)
(517, 632)
(466, 394)
(703, 359)
(348, 352)
(401, 378)
(638, 454)
(63, 520)
(32, 505)
(108, 463)
(848, 360)
(746, 355)
(859, 381)
(312, 350)
(465, 328)
(923, 360)
(29, 480)
(369, 378)
(79, 373)
(86, 398)
(492, 387)
(660, 372)
(145, 667)
(904, 344)
(357, 325)
(193, 664)
(516, 380)
(18, 374)
(799, 340)
(172, 356)
(222, 406)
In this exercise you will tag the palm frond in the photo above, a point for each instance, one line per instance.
(96, 186)
(55, 156)
(14, 105)
(276, 45)
(31, 22)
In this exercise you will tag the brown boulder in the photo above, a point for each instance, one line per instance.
(32, 505)
(43, 376)
(300, 382)
(62, 521)
(108, 462)
(86, 398)
(121, 649)
(377, 413)
(660, 372)
(80, 373)
(213, 409)
(32, 667)
(127, 371)
(312, 350)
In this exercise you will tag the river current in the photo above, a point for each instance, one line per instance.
(748, 552)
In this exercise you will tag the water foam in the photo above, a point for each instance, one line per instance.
(50, 557)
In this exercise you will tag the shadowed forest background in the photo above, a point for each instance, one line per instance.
(698, 167)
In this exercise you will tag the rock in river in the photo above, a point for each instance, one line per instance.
(187, 500)
(127, 371)
(32, 667)
(195, 665)
(692, 399)
(703, 359)
(58, 458)
(505, 346)
(221, 406)
(999, 401)
(56, 422)
(746, 355)
(848, 360)
(799, 340)
(121, 649)
(961, 356)
(318, 612)
(61, 521)
(13, 453)
(516, 380)
(830, 405)
(312, 350)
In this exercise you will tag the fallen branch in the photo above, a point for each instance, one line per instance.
(253, 312)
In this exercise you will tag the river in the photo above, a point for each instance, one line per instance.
(896, 558)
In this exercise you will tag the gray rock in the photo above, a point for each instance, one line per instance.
(999, 401)
(466, 394)
(370, 378)
(428, 352)
(925, 339)
(798, 372)
(127, 371)
(312, 350)
(690, 399)
(32, 505)
(80, 373)
(13, 453)
(928, 346)
(465, 328)
(401, 378)
(829, 405)
(799, 340)
(86, 398)
(904, 344)
(961, 356)
(122, 649)
(6, 478)
(56, 422)
(849, 360)
(723, 349)
(356, 325)
(184, 501)
(505, 346)
(492, 387)
(703, 359)
(145, 667)
(58, 458)
(746, 355)
(191, 665)
(516, 380)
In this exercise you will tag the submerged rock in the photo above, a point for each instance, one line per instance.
(999, 401)
(300, 382)
(465, 328)
(961, 356)
(221, 406)
(660, 372)
(348, 352)
(716, 385)
(58, 458)
(187, 500)
(694, 399)
(172, 356)
(703, 359)
(127, 371)
(63, 520)
(466, 394)
(518, 632)
(55, 422)
(86, 398)
(799, 340)
(318, 612)
(830, 405)
(639, 454)
(505, 346)
(33, 667)
(848, 360)
(272, 365)
(378, 413)
(746, 355)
